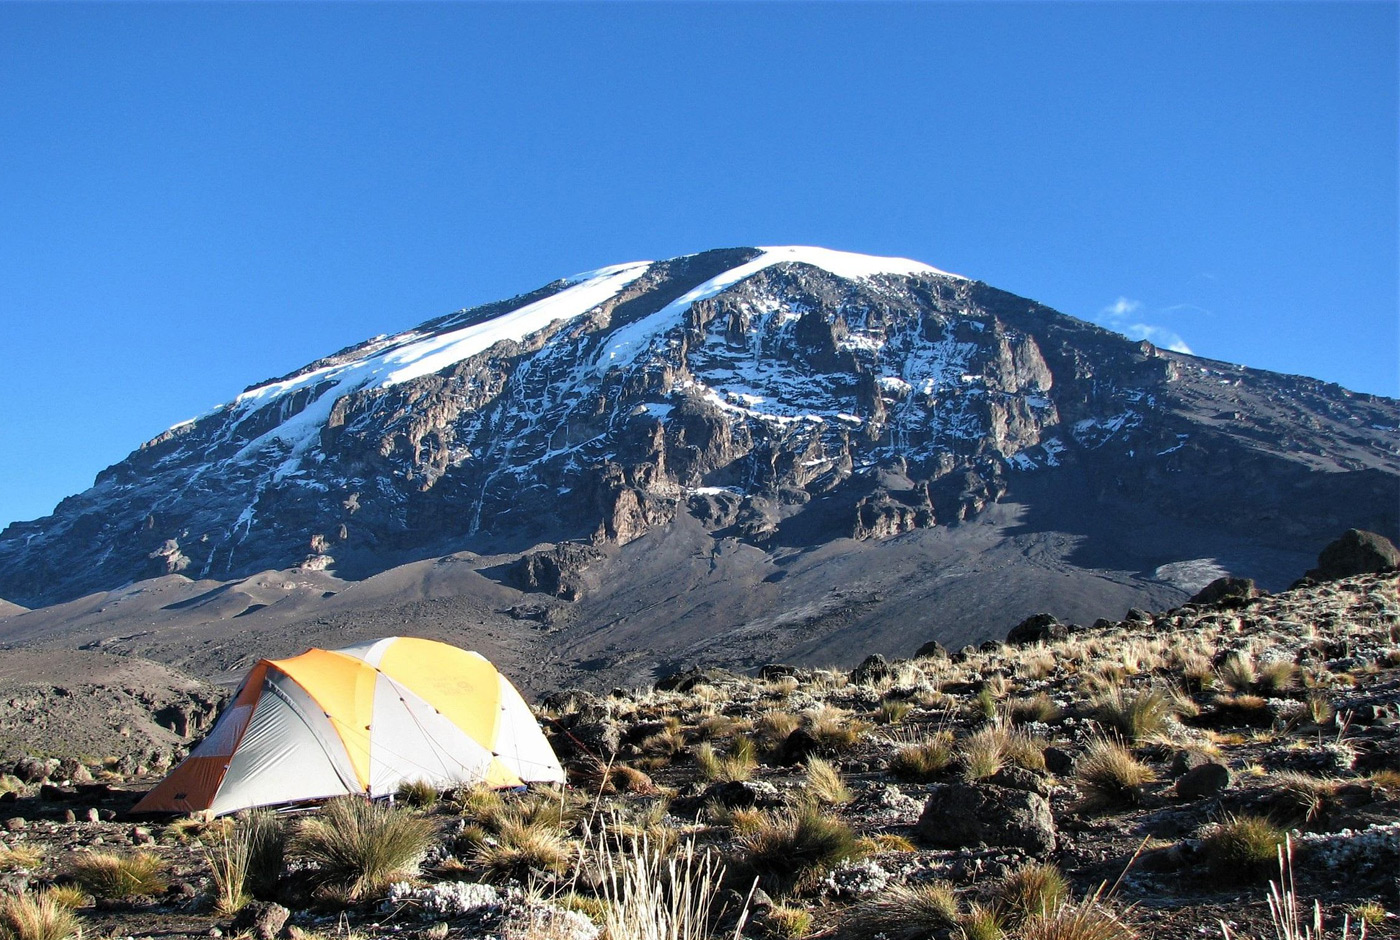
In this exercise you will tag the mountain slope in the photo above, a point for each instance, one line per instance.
(757, 409)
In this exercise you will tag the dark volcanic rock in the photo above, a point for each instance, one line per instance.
(1229, 590)
(1206, 780)
(963, 814)
(1041, 628)
(1356, 552)
(557, 571)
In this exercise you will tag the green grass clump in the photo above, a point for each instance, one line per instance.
(360, 848)
(782, 922)
(982, 923)
(37, 917)
(105, 875)
(792, 850)
(1243, 846)
(1108, 775)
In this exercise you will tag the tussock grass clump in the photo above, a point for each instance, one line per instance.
(983, 753)
(228, 873)
(782, 922)
(923, 760)
(1038, 707)
(773, 727)
(68, 895)
(1036, 888)
(359, 847)
(479, 802)
(1302, 798)
(519, 847)
(791, 850)
(825, 784)
(417, 793)
(921, 910)
(893, 710)
(105, 875)
(1108, 775)
(1134, 715)
(1238, 672)
(834, 730)
(37, 917)
(991, 747)
(1243, 846)
(737, 765)
(20, 857)
(245, 861)
(982, 923)
(1089, 919)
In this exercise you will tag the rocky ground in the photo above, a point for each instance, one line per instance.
(1158, 763)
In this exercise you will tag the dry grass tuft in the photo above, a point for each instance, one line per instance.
(825, 784)
(1242, 846)
(359, 847)
(921, 910)
(105, 875)
(923, 760)
(791, 850)
(38, 917)
(1036, 888)
(1108, 775)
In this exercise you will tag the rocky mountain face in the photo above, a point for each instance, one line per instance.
(779, 398)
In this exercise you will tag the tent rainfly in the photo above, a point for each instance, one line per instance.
(360, 720)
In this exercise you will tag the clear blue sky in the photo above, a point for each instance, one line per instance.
(197, 197)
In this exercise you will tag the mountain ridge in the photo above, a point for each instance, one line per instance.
(757, 407)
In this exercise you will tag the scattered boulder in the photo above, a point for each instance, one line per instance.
(1138, 615)
(1356, 552)
(1206, 780)
(1039, 628)
(263, 919)
(871, 670)
(741, 793)
(964, 814)
(774, 671)
(1226, 592)
(931, 650)
(34, 770)
(686, 680)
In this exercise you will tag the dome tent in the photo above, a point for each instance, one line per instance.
(362, 719)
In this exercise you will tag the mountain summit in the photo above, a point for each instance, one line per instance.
(767, 401)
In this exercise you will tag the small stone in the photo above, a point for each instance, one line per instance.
(93, 815)
(1205, 780)
(69, 816)
(107, 815)
(140, 835)
(16, 823)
